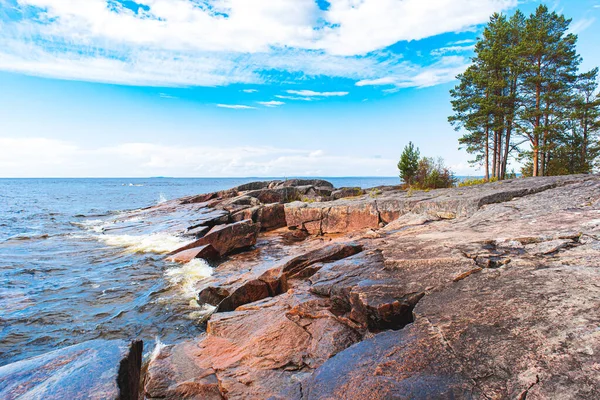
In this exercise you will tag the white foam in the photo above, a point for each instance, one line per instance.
(157, 349)
(153, 243)
(162, 199)
(186, 276)
(201, 315)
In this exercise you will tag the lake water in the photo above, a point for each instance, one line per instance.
(65, 280)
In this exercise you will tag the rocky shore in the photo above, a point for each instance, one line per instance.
(484, 292)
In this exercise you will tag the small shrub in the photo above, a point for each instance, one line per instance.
(433, 174)
(374, 193)
(475, 181)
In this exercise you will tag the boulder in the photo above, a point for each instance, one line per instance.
(227, 238)
(346, 192)
(98, 369)
(275, 195)
(306, 182)
(272, 216)
(207, 252)
(251, 213)
(254, 186)
(337, 217)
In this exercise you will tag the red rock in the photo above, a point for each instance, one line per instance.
(207, 252)
(258, 352)
(97, 369)
(201, 198)
(272, 216)
(275, 280)
(227, 238)
(347, 192)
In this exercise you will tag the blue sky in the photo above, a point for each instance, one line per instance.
(208, 88)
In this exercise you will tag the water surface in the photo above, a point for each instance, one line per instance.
(67, 277)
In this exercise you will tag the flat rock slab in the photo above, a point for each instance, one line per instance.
(383, 207)
(408, 364)
(97, 369)
(207, 252)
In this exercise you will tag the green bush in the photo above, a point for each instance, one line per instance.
(475, 181)
(433, 174)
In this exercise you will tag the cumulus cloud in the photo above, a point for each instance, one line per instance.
(220, 42)
(34, 157)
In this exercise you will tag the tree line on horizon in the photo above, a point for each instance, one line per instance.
(524, 98)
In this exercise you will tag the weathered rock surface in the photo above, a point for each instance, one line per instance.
(97, 369)
(486, 292)
(226, 238)
(382, 207)
(207, 252)
(261, 283)
(260, 351)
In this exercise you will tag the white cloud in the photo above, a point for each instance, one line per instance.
(236, 106)
(581, 25)
(388, 80)
(219, 42)
(310, 93)
(166, 96)
(452, 49)
(443, 71)
(279, 96)
(272, 103)
(249, 90)
(34, 157)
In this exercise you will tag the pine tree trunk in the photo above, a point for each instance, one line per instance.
(584, 145)
(495, 156)
(536, 157)
(506, 149)
(499, 156)
(487, 153)
(538, 120)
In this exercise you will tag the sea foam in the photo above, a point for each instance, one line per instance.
(154, 243)
(190, 273)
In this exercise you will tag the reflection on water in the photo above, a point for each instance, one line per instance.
(73, 269)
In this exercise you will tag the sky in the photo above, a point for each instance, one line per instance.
(240, 88)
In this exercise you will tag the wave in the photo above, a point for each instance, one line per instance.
(162, 199)
(29, 236)
(94, 225)
(190, 273)
(158, 347)
(153, 243)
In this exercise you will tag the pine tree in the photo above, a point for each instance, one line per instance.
(523, 96)
(550, 63)
(409, 163)
(485, 102)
